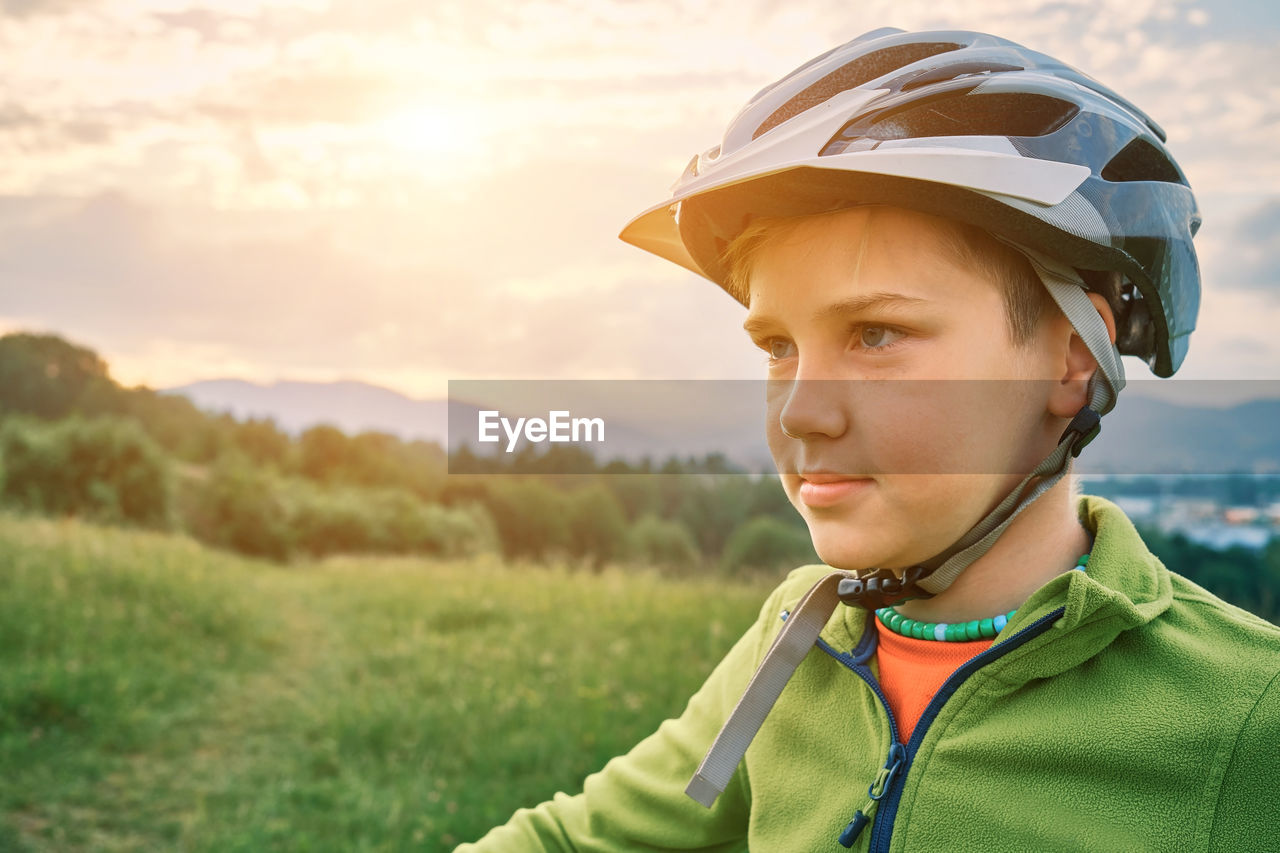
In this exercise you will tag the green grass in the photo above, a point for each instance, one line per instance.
(155, 694)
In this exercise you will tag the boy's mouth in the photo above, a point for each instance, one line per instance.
(822, 488)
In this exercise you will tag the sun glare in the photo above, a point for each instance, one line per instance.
(434, 129)
(423, 130)
(438, 140)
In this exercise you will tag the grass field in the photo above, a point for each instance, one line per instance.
(156, 695)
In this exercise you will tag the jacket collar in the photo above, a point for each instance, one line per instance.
(1124, 587)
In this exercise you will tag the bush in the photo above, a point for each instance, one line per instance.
(459, 531)
(332, 522)
(243, 508)
(349, 520)
(667, 545)
(597, 525)
(638, 494)
(239, 507)
(532, 518)
(712, 508)
(103, 468)
(767, 544)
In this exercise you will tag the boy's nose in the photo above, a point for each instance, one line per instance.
(809, 408)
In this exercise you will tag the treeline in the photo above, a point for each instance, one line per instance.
(73, 441)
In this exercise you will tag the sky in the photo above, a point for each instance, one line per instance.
(405, 193)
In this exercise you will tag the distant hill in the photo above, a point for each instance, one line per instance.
(1142, 436)
(353, 407)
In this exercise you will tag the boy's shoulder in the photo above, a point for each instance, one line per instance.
(1219, 624)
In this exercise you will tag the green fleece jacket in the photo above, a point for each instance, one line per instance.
(1122, 709)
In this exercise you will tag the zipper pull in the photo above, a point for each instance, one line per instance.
(875, 791)
(859, 823)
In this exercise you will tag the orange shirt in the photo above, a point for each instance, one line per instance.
(911, 671)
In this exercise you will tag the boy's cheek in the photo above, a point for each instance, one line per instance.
(899, 426)
(945, 428)
(938, 449)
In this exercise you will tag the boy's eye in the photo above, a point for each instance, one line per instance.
(866, 337)
(878, 337)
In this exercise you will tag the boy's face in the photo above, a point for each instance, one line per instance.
(876, 295)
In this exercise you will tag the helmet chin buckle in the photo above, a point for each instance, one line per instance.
(1085, 425)
(882, 588)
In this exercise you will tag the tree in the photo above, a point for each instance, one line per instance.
(531, 517)
(45, 376)
(263, 442)
(664, 544)
(712, 507)
(597, 525)
(1269, 582)
(323, 451)
(767, 544)
(242, 508)
(177, 424)
(105, 468)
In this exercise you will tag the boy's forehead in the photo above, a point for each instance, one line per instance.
(759, 318)
(859, 255)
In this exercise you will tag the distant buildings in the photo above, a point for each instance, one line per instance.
(1220, 537)
(1204, 520)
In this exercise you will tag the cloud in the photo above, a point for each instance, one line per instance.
(305, 96)
(1234, 337)
(22, 8)
(1250, 258)
(28, 133)
(212, 25)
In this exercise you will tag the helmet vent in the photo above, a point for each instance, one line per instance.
(995, 114)
(952, 71)
(852, 75)
(1141, 161)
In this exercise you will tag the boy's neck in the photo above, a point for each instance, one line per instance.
(1044, 541)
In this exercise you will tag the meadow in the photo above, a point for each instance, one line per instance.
(160, 695)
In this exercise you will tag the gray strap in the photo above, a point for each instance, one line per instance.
(1067, 289)
(797, 637)
(984, 534)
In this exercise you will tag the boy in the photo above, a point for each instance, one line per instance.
(994, 663)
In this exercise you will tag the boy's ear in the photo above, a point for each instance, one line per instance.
(1104, 308)
(1071, 393)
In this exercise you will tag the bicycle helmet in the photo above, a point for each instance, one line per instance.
(967, 126)
(978, 129)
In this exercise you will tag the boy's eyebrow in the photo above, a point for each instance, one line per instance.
(758, 322)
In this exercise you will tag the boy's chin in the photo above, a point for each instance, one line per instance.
(840, 555)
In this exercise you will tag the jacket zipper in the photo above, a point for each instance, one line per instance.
(893, 775)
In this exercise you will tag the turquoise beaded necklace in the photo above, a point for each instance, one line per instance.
(954, 632)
